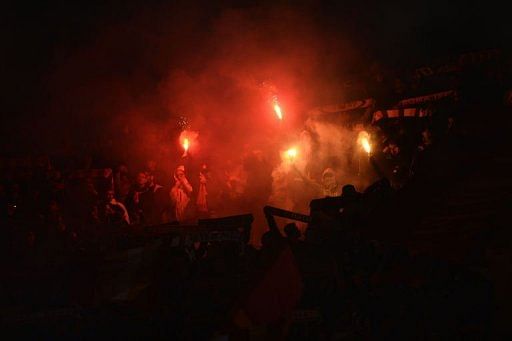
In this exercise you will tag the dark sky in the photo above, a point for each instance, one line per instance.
(74, 43)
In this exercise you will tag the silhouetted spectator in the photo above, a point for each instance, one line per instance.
(133, 202)
(202, 194)
(292, 232)
(348, 192)
(116, 213)
(154, 174)
(180, 195)
(122, 183)
(152, 202)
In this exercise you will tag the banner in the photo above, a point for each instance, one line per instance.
(400, 113)
(342, 107)
(185, 240)
(427, 98)
(279, 212)
(271, 211)
(232, 228)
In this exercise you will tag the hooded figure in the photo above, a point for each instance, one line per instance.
(330, 187)
(202, 195)
(180, 193)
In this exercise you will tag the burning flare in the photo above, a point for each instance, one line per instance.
(277, 109)
(291, 154)
(366, 145)
(188, 140)
(364, 141)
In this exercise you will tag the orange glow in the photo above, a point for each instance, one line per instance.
(366, 145)
(186, 144)
(277, 109)
(364, 141)
(291, 154)
(188, 141)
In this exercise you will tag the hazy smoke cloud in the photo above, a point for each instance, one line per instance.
(126, 92)
(139, 75)
(320, 145)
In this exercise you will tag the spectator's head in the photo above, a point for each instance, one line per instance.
(349, 191)
(110, 195)
(150, 179)
(180, 172)
(329, 178)
(292, 231)
(142, 179)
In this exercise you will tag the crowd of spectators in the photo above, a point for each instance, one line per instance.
(356, 284)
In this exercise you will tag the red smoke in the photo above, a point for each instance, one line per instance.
(130, 84)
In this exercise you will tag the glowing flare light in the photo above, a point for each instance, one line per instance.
(188, 141)
(364, 140)
(277, 109)
(291, 154)
(366, 145)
